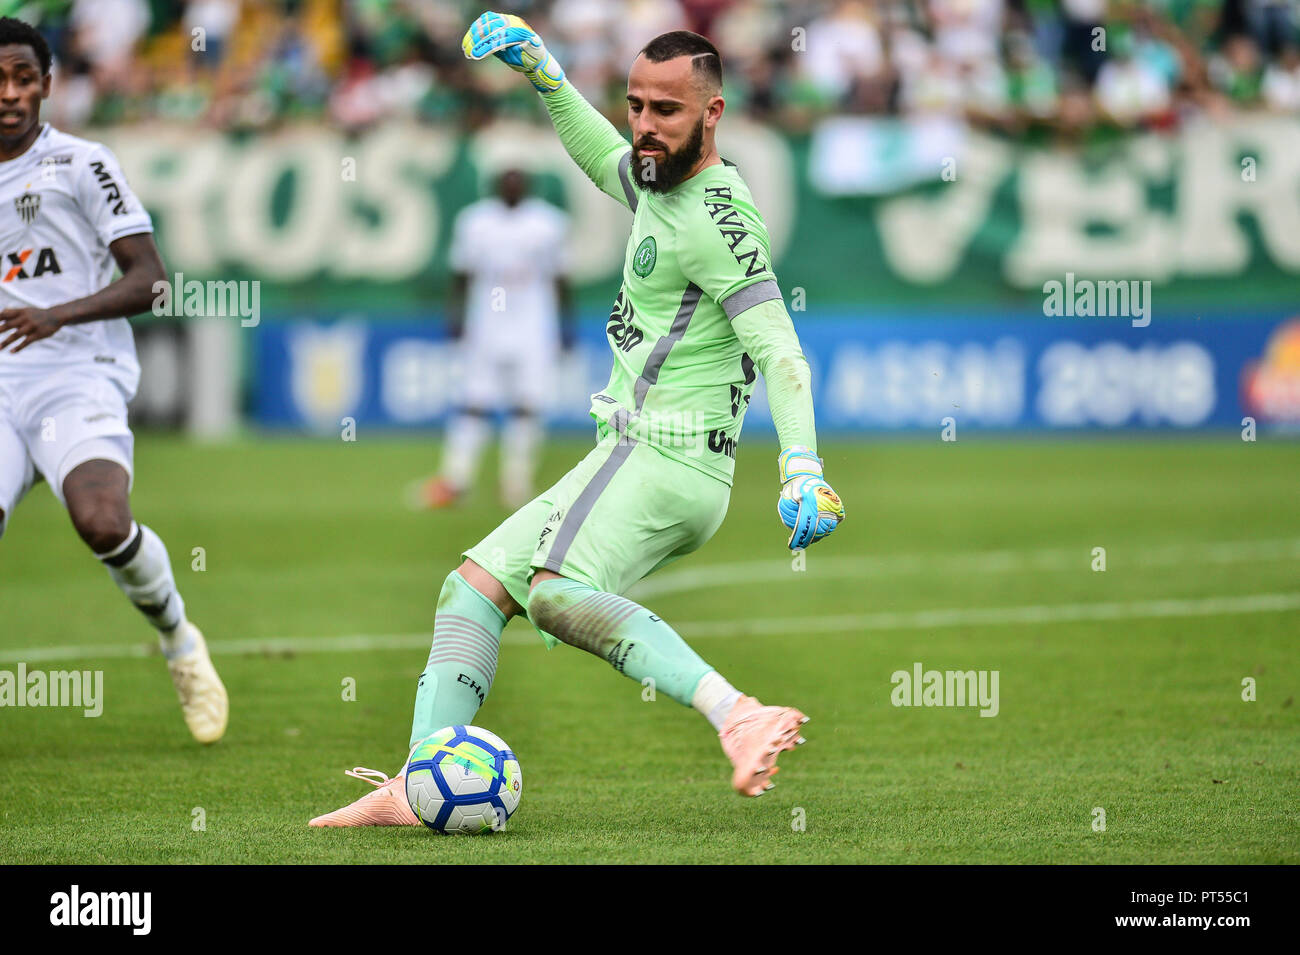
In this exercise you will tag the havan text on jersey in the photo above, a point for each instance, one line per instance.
(717, 200)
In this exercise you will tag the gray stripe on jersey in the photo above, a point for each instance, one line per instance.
(659, 354)
(586, 500)
(749, 296)
(625, 177)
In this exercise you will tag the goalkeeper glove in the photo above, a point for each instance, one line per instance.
(807, 506)
(513, 42)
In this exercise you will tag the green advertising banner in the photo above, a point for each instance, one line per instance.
(861, 212)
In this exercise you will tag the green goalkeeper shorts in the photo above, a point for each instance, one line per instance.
(623, 512)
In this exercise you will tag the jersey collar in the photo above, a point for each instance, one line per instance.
(703, 175)
(45, 131)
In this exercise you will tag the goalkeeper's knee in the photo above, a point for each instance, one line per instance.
(547, 603)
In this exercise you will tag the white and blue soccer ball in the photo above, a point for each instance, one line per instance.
(463, 779)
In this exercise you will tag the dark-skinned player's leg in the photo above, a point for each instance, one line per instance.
(97, 495)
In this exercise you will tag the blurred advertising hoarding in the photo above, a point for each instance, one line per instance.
(876, 372)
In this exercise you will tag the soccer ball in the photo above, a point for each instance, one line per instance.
(463, 779)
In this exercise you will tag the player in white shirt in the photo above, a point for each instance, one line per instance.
(67, 357)
(510, 308)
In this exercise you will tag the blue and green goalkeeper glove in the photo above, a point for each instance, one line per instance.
(807, 506)
(513, 42)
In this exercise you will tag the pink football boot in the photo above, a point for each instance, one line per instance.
(385, 806)
(753, 736)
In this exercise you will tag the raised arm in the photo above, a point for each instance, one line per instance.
(593, 143)
(589, 138)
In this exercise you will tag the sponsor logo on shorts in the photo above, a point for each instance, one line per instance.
(102, 416)
(550, 526)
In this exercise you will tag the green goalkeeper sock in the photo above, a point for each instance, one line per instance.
(629, 637)
(462, 661)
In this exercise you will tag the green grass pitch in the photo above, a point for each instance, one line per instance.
(1119, 690)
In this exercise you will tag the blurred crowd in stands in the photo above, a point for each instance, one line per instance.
(1015, 66)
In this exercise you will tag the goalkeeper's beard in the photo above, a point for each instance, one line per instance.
(672, 169)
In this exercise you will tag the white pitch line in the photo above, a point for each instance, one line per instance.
(990, 616)
(272, 646)
(768, 570)
(986, 562)
(846, 623)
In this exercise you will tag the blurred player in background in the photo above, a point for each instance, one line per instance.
(512, 311)
(699, 314)
(67, 357)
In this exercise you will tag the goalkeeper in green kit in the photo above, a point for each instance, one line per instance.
(698, 316)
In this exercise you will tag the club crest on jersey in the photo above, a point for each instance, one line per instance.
(643, 262)
(28, 204)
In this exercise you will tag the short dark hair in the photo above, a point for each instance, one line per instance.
(706, 62)
(17, 33)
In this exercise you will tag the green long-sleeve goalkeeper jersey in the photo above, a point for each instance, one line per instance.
(699, 312)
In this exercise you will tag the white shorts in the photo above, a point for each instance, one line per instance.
(521, 378)
(51, 424)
